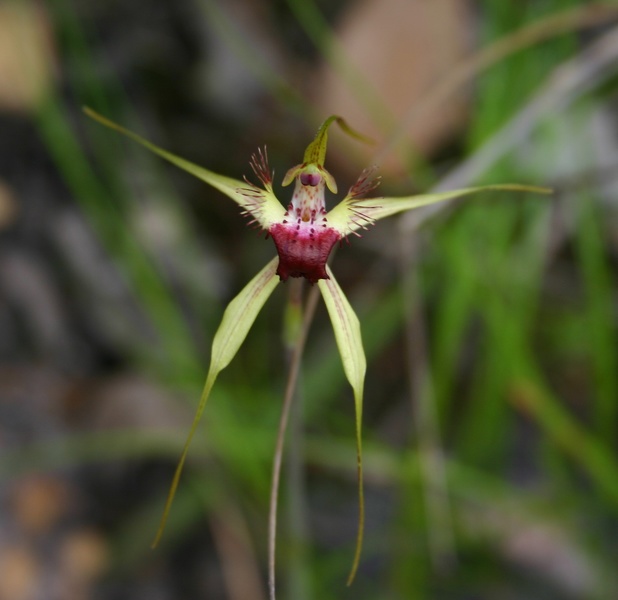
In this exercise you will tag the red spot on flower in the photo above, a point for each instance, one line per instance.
(301, 252)
(311, 179)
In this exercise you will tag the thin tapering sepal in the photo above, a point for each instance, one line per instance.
(358, 402)
(352, 214)
(238, 318)
(348, 337)
(261, 204)
(316, 150)
(210, 380)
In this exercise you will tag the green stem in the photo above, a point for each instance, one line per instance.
(293, 373)
(297, 583)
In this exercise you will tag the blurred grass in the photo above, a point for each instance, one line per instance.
(519, 442)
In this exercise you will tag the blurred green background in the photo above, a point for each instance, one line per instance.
(490, 325)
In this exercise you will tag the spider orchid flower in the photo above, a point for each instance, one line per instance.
(304, 233)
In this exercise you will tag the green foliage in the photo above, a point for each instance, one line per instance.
(523, 373)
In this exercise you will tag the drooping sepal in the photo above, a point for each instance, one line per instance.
(348, 337)
(238, 318)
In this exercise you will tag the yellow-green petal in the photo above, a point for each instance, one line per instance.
(353, 213)
(262, 204)
(237, 320)
(348, 337)
(316, 150)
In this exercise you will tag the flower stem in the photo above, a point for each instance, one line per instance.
(298, 340)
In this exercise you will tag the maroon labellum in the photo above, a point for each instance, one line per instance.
(304, 238)
(303, 251)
